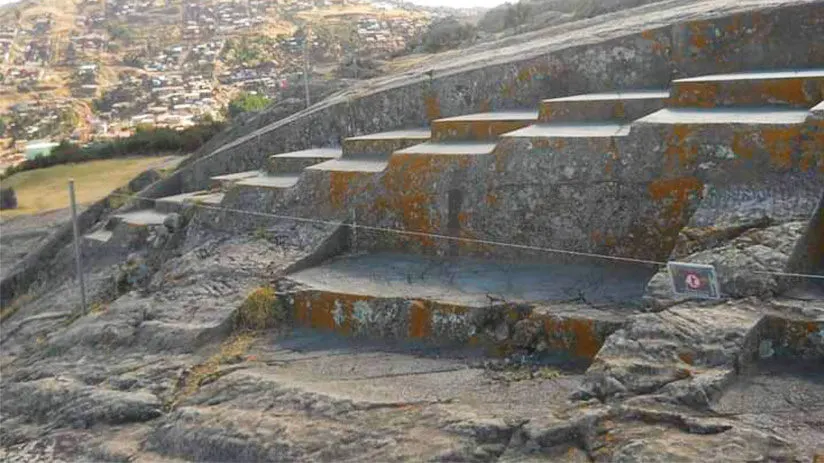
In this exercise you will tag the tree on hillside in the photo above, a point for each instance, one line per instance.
(245, 103)
(69, 120)
(448, 33)
(517, 15)
(522, 13)
(120, 32)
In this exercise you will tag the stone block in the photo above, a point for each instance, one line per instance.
(480, 127)
(296, 161)
(618, 106)
(796, 89)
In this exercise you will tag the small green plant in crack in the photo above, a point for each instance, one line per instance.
(261, 234)
(53, 351)
(98, 307)
(190, 381)
(523, 372)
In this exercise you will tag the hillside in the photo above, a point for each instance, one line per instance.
(88, 70)
(172, 63)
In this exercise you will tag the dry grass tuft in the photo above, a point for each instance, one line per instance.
(10, 309)
(261, 310)
(232, 351)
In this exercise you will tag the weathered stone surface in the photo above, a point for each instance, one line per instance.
(743, 265)
(69, 403)
(619, 106)
(656, 349)
(173, 222)
(777, 88)
(159, 369)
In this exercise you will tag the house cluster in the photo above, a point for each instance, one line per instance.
(122, 9)
(295, 6)
(94, 19)
(174, 80)
(7, 36)
(205, 19)
(19, 77)
(180, 58)
(84, 80)
(204, 54)
(35, 119)
(176, 100)
(264, 78)
(35, 44)
(86, 44)
(385, 36)
(169, 59)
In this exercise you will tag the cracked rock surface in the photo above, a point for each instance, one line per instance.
(160, 371)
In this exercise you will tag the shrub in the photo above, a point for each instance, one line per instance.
(8, 199)
(448, 33)
(146, 140)
(247, 103)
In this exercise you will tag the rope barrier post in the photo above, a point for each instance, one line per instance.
(77, 248)
(354, 231)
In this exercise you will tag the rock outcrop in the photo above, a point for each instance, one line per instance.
(485, 289)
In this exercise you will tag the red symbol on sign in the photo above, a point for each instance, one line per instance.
(693, 281)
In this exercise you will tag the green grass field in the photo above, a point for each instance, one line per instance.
(46, 189)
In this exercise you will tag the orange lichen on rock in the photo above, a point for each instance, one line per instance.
(698, 94)
(408, 180)
(302, 307)
(325, 310)
(783, 90)
(680, 152)
(420, 320)
(781, 143)
(677, 191)
(343, 185)
(320, 317)
(433, 106)
(742, 145)
(698, 33)
(474, 130)
(657, 46)
(573, 335)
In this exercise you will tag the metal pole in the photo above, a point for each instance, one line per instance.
(77, 248)
(306, 69)
(354, 231)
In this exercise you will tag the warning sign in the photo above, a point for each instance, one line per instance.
(694, 280)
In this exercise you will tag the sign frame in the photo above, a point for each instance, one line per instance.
(680, 270)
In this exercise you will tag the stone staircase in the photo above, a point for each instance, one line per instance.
(616, 173)
(748, 138)
(370, 153)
